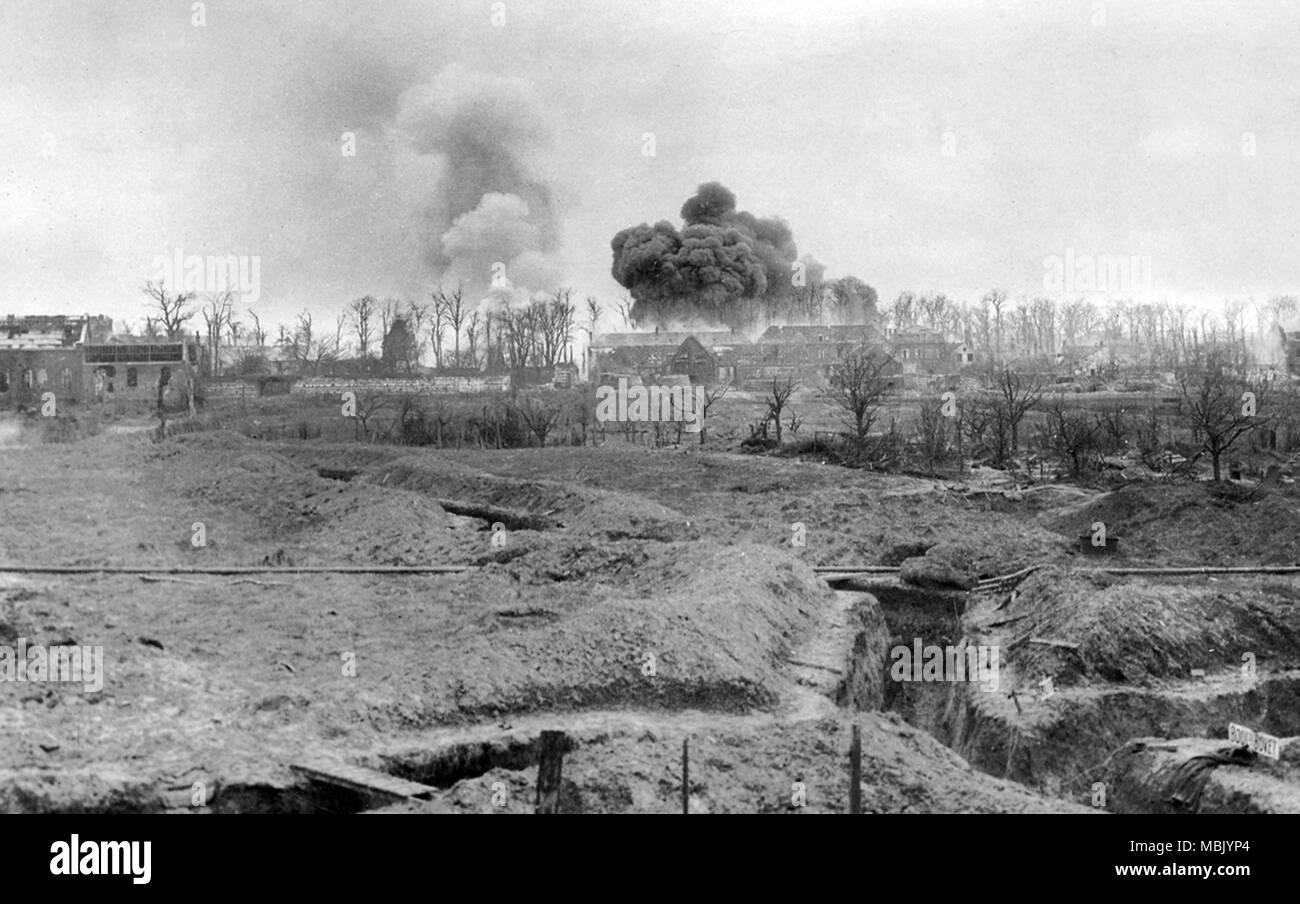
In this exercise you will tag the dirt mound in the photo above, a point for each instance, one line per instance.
(1136, 631)
(390, 527)
(662, 625)
(312, 518)
(257, 483)
(335, 457)
(593, 512)
(945, 565)
(1192, 524)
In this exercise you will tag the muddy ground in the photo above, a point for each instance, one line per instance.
(634, 598)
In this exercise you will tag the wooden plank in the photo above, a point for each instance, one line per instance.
(1044, 642)
(814, 665)
(847, 570)
(550, 760)
(366, 781)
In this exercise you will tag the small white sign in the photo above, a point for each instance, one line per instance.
(1263, 744)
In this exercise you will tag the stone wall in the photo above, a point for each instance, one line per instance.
(335, 386)
(215, 390)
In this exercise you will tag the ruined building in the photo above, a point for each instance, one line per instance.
(78, 360)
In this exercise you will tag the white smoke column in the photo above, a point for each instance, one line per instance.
(498, 234)
(491, 204)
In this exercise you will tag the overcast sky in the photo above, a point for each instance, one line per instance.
(927, 146)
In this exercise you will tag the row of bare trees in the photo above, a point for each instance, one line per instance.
(1217, 407)
(388, 335)
(1174, 334)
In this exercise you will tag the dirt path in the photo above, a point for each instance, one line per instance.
(816, 666)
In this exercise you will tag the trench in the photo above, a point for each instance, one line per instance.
(145, 797)
(439, 768)
(445, 766)
(1084, 736)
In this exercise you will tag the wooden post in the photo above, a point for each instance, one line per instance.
(686, 776)
(549, 762)
(855, 771)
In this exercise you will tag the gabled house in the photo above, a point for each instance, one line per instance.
(695, 362)
(652, 354)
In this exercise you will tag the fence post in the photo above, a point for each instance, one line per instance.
(549, 762)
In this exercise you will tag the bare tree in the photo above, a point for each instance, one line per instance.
(1042, 312)
(1078, 318)
(975, 424)
(625, 311)
(389, 310)
(488, 360)
(1070, 432)
(1015, 395)
(259, 335)
(777, 400)
(996, 299)
(473, 329)
(934, 433)
(902, 313)
(309, 348)
(540, 415)
(454, 306)
(1280, 308)
(370, 405)
(553, 325)
(714, 393)
(1220, 407)
(450, 308)
(1113, 428)
(981, 325)
(340, 324)
(437, 325)
(361, 314)
(857, 384)
(217, 313)
(173, 309)
(518, 332)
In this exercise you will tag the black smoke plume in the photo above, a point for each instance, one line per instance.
(724, 266)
